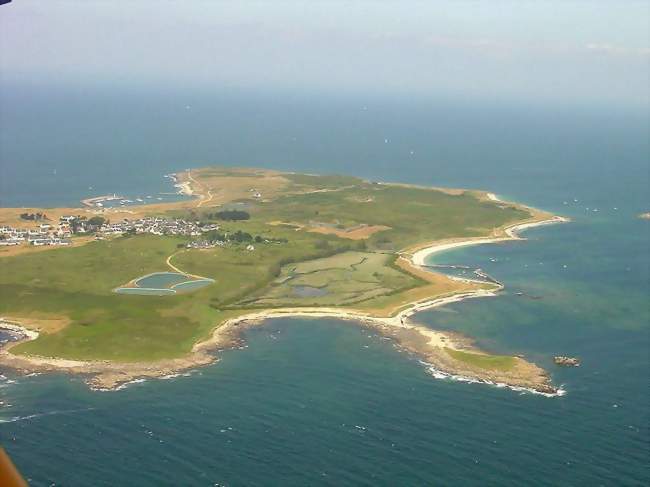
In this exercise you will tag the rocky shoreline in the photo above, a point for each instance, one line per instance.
(429, 345)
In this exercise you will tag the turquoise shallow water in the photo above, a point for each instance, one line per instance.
(322, 402)
(161, 279)
(164, 283)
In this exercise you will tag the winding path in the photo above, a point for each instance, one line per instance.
(202, 197)
(176, 269)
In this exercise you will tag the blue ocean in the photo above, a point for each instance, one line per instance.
(323, 402)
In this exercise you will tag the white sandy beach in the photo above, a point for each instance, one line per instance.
(512, 233)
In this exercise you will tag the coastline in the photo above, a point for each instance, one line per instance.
(511, 233)
(427, 344)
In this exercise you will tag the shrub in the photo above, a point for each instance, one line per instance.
(230, 215)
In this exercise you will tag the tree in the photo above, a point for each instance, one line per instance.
(231, 215)
(240, 236)
(214, 235)
(96, 221)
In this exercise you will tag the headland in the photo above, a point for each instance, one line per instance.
(269, 244)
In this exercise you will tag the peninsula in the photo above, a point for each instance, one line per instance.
(130, 292)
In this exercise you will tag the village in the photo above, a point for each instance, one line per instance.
(43, 234)
(60, 234)
(69, 225)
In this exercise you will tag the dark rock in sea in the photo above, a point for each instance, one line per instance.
(567, 361)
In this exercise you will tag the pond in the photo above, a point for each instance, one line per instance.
(163, 284)
(161, 280)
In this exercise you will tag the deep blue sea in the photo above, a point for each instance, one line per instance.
(322, 402)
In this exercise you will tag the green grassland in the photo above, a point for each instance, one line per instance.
(415, 215)
(322, 182)
(77, 283)
(346, 278)
(488, 362)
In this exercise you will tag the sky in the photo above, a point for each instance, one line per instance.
(589, 51)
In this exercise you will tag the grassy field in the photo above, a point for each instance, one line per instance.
(316, 182)
(341, 279)
(489, 362)
(414, 215)
(77, 283)
(297, 268)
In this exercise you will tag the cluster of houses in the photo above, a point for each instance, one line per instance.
(210, 244)
(238, 237)
(44, 234)
(60, 234)
(156, 226)
(205, 244)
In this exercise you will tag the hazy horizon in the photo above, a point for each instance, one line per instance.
(561, 52)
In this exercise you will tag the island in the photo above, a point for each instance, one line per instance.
(134, 291)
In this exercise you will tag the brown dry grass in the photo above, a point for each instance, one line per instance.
(356, 233)
(209, 191)
(451, 191)
(29, 249)
(216, 187)
(43, 323)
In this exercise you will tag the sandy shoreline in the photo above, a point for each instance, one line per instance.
(511, 233)
(508, 233)
(427, 344)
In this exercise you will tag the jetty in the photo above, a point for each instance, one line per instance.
(99, 200)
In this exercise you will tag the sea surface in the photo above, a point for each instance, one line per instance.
(322, 402)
